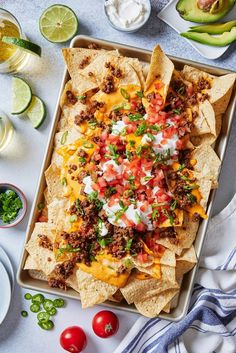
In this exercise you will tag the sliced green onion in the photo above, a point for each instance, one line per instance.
(48, 325)
(73, 218)
(59, 303)
(28, 296)
(38, 299)
(24, 313)
(87, 144)
(64, 137)
(48, 304)
(140, 94)
(52, 312)
(43, 316)
(124, 93)
(35, 308)
(40, 206)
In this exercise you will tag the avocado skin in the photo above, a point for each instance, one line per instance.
(189, 11)
(221, 41)
(217, 28)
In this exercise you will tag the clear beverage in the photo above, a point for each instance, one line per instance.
(11, 58)
(6, 131)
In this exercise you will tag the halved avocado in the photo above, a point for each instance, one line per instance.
(217, 41)
(189, 10)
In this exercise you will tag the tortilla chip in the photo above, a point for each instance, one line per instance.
(78, 58)
(42, 256)
(71, 136)
(221, 87)
(205, 186)
(185, 262)
(161, 67)
(208, 163)
(208, 139)
(168, 258)
(54, 185)
(35, 274)
(153, 306)
(167, 308)
(30, 263)
(205, 123)
(184, 238)
(136, 289)
(57, 214)
(117, 297)
(93, 291)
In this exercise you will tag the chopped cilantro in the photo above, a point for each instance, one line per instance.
(176, 111)
(88, 144)
(141, 129)
(82, 159)
(73, 218)
(181, 167)
(155, 214)
(40, 206)
(150, 136)
(113, 153)
(10, 205)
(192, 198)
(93, 124)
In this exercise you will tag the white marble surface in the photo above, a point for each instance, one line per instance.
(21, 162)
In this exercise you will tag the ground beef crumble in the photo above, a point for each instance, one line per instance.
(45, 242)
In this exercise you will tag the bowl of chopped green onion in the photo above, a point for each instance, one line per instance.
(13, 205)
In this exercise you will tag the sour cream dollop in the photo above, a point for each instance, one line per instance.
(127, 14)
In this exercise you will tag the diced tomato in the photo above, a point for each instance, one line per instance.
(141, 227)
(190, 89)
(142, 257)
(180, 144)
(127, 222)
(168, 133)
(102, 182)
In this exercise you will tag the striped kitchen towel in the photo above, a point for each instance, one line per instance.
(210, 325)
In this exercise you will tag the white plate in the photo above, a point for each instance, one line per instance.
(170, 15)
(5, 293)
(8, 266)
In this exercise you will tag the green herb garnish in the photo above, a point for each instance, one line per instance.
(64, 181)
(140, 94)
(88, 144)
(141, 129)
(124, 93)
(81, 98)
(64, 137)
(24, 313)
(135, 117)
(128, 245)
(10, 205)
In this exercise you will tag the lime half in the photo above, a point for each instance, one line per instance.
(21, 95)
(23, 44)
(36, 111)
(58, 23)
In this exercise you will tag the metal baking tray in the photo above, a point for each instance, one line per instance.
(182, 304)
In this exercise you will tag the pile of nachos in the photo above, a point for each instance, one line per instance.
(129, 180)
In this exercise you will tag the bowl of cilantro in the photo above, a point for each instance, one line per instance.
(13, 205)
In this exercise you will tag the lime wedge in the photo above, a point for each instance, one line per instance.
(21, 95)
(36, 111)
(23, 44)
(58, 23)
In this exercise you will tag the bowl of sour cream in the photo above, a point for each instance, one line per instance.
(127, 15)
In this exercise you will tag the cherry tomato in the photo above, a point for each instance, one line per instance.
(73, 339)
(105, 324)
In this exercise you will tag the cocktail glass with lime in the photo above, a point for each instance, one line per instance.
(6, 131)
(12, 59)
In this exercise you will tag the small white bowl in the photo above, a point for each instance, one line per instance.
(22, 212)
(129, 30)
